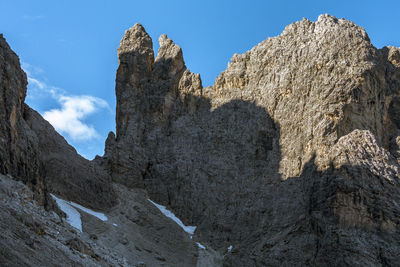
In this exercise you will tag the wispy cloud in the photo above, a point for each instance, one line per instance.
(31, 70)
(69, 118)
(32, 17)
(38, 87)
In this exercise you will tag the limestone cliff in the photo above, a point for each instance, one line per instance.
(291, 156)
(135, 232)
(19, 155)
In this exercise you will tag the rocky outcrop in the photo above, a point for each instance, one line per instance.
(134, 234)
(162, 83)
(33, 152)
(319, 81)
(290, 157)
(19, 153)
(67, 173)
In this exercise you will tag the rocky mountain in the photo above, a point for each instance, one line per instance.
(18, 144)
(291, 157)
(33, 152)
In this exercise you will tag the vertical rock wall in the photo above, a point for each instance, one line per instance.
(291, 156)
(19, 154)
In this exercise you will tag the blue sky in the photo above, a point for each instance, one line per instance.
(69, 48)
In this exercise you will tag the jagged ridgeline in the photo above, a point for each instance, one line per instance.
(291, 157)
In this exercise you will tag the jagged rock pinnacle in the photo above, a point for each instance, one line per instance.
(169, 59)
(135, 38)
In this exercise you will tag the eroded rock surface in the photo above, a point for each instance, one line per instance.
(290, 156)
(319, 81)
(67, 173)
(19, 154)
(134, 234)
(33, 152)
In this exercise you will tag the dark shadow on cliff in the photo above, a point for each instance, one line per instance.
(219, 169)
(337, 217)
(217, 166)
(213, 164)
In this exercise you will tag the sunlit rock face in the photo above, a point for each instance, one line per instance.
(291, 156)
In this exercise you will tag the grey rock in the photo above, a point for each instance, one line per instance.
(140, 264)
(33, 152)
(30, 238)
(290, 156)
(124, 240)
(19, 155)
(67, 173)
(60, 245)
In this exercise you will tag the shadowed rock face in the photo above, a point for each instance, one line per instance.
(19, 153)
(291, 156)
(67, 173)
(344, 215)
(32, 151)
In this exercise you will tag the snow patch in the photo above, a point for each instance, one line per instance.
(99, 215)
(230, 248)
(115, 224)
(188, 229)
(200, 245)
(73, 216)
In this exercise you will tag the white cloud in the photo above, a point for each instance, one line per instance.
(37, 88)
(31, 70)
(33, 17)
(69, 118)
(36, 82)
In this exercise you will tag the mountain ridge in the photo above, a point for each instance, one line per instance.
(291, 157)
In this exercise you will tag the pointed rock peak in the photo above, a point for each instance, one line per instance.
(110, 144)
(136, 56)
(164, 40)
(138, 27)
(328, 28)
(303, 26)
(169, 58)
(326, 21)
(328, 18)
(168, 49)
(135, 38)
